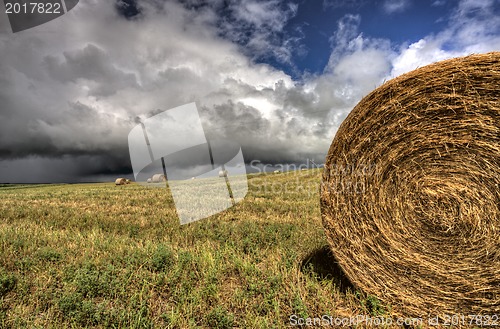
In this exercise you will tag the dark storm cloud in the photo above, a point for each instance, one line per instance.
(235, 120)
(80, 130)
(82, 168)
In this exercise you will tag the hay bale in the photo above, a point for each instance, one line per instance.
(410, 197)
(158, 178)
(222, 173)
(128, 181)
(149, 180)
(120, 181)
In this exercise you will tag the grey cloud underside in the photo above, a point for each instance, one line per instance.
(79, 130)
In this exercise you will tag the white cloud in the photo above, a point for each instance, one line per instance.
(346, 32)
(259, 27)
(357, 64)
(473, 28)
(395, 6)
(262, 14)
(417, 55)
(438, 3)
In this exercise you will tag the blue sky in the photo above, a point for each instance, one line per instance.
(309, 26)
(404, 22)
(278, 77)
(313, 23)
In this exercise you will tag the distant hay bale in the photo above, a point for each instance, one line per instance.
(149, 180)
(222, 173)
(120, 181)
(158, 178)
(410, 197)
(277, 171)
(128, 181)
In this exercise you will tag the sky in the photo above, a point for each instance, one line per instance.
(277, 77)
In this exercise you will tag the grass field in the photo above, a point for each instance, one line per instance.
(105, 256)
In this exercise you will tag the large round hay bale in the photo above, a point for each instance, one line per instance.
(410, 197)
(120, 181)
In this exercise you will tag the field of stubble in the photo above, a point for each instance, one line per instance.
(105, 256)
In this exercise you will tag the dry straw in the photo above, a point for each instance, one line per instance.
(120, 181)
(158, 178)
(410, 197)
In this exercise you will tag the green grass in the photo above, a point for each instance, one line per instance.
(105, 256)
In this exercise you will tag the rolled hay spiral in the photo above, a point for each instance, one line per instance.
(410, 197)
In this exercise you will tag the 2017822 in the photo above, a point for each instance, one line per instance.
(33, 7)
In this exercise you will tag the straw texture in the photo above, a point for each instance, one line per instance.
(410, 197)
